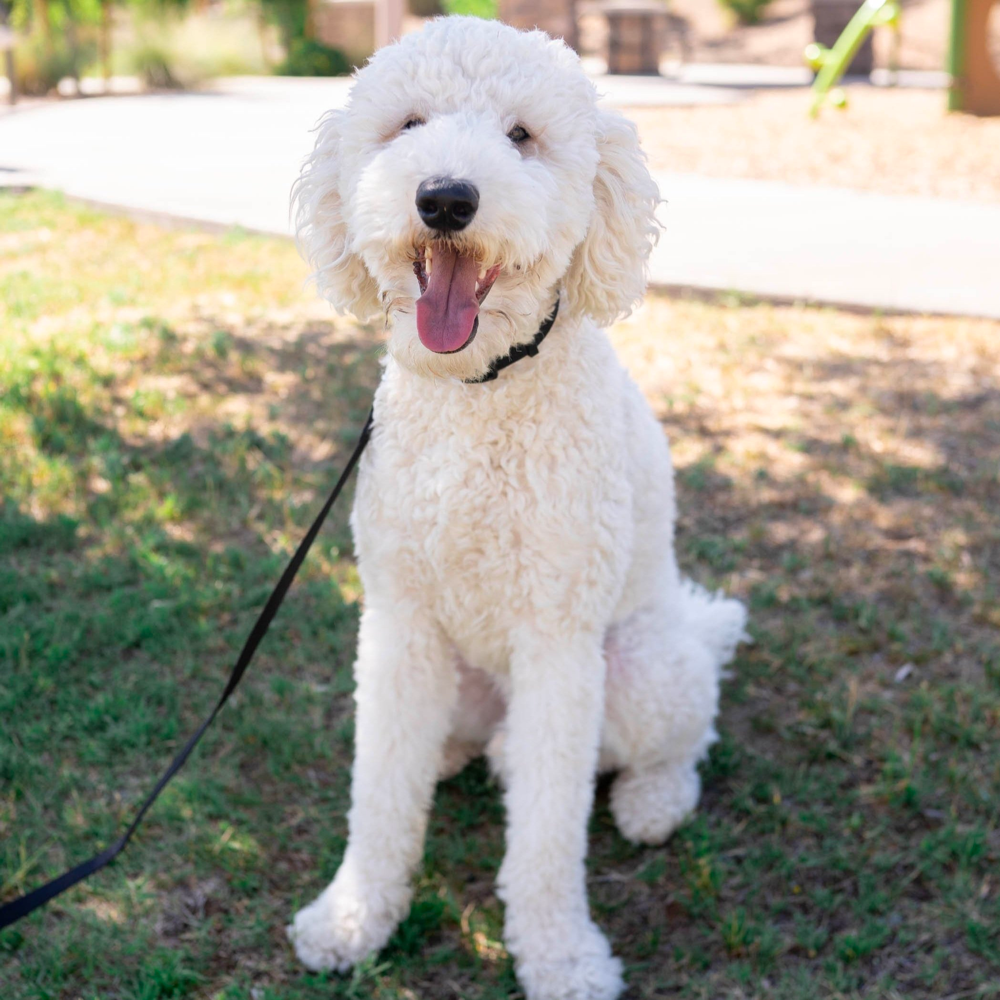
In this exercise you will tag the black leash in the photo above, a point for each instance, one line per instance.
(518, 351)
(31, 901)
(23, 905)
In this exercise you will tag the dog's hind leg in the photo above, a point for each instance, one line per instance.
(406, 689)
(662, 694)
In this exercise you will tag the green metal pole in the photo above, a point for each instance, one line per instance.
(833, 63)
(956, 54)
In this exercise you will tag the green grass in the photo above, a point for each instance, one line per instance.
(172, 408)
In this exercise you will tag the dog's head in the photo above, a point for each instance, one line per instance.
(471, 177)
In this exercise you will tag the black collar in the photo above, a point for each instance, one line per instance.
(518, 351)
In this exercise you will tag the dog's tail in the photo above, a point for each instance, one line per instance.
(718, 621)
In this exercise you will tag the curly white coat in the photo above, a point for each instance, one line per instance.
(515, 538)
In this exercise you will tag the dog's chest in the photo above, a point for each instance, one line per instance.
(492, 522)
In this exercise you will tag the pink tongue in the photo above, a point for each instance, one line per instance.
(448, 309)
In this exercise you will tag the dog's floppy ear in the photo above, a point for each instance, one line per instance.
(320, 230)
(607, 275)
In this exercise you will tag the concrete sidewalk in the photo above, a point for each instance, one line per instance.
(229, 158)
(830, 245)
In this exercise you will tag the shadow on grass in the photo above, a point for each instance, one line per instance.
(118, 625)
(849, 810)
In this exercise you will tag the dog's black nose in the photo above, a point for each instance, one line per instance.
(447, 204)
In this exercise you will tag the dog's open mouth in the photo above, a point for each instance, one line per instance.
(452, 288)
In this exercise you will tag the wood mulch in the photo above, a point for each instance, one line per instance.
(890, 141)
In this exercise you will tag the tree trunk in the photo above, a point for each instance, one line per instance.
(105, 41)
(74, 51)
(262, 34)
(8, 56)
(12, 93)
(40, 15)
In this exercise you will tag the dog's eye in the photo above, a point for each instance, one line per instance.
(518, 134)
(411, 123)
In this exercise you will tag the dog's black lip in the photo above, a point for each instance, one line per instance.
(418, 270)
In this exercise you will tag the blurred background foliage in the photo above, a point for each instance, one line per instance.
(475, 8)
(168, 43)
(178, 43)
(746, 11)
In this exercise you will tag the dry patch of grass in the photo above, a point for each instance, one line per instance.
(172, 405)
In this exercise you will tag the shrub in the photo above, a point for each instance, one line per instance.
(746, 11)
(476, 8)
(40, 65)
(172, 48)
(151, 62)
(307, 57)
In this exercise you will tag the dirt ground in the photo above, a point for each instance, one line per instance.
(892, 141)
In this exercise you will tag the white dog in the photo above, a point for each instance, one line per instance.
(514, 536)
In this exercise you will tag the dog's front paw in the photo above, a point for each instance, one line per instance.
(342, 927)
(580, 969)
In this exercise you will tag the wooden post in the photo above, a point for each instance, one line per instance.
(388, 21)
(635, 34)
(557, 17)
(975, 81)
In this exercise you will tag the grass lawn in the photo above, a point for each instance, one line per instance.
(173, 406)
